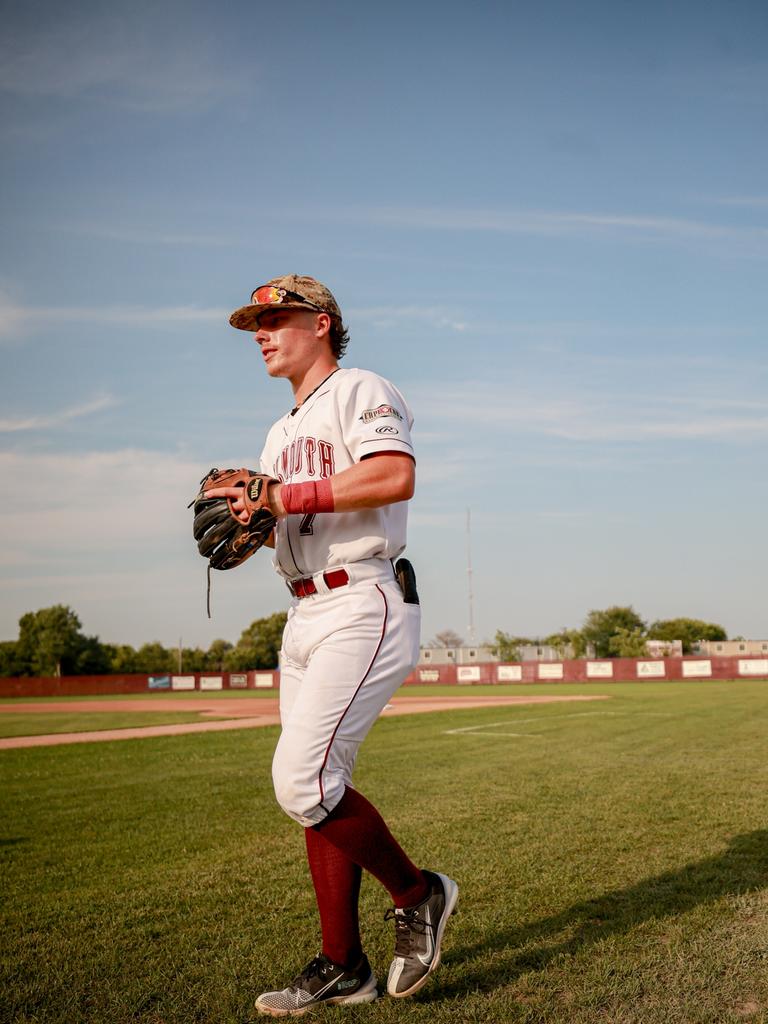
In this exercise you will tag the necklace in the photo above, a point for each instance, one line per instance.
(296, 408)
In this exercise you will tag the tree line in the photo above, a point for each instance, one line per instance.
(51, 643)
(616, 632)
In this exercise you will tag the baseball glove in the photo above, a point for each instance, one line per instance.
(222, 537)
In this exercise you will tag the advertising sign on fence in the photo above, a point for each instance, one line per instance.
(599, 670)
(468, 673)
(697, 669)
(182, 682)
(263, 680)
(650, 670)
(211, 683)
(159, 682)
(429, 675)
(238, 681)
(509, 673)
(550, 671)
(753, 666)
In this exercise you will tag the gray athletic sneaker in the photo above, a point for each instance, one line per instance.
(321, 981)
(419, 932)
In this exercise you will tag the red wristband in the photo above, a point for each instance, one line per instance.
(306, 499)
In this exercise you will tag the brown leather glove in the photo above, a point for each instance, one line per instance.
(230, 527)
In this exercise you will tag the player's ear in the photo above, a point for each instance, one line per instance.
(322, 325)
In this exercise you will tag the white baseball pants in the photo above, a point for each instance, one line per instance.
(344, 654)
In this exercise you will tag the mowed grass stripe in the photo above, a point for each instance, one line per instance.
(616, 870)
(202, 695)
(49, 723)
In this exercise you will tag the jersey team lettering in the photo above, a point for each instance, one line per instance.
(309, 452)
(369, 415)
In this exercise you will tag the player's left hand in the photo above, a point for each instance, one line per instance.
(246, 492)
(233, 518)
(234, 496)
(237, 503)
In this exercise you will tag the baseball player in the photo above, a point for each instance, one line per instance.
(344, 471)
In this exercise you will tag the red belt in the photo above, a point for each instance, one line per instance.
(334, 579)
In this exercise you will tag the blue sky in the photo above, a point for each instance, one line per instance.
(548, 226)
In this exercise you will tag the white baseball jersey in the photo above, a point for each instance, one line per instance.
(353, 413)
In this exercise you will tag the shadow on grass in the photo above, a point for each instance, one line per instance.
(14, 840)
(741, 868)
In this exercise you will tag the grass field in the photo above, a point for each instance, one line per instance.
(41, 723)
(202, 695)
(612, 859)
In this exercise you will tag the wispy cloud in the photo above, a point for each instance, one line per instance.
(383, 317)
(94, 498)
(11, 424)
(639, 427)
(629, 227)
(150, 236)
(595, 417)
(749, 201)
(109, 533)
(555, 223)
(15, 317)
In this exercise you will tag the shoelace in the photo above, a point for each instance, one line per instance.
(315, 967)
(407, 922)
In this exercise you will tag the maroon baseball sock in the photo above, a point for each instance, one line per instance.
(357, 829)
(336, 879)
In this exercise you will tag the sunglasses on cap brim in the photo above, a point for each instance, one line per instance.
(269, 295)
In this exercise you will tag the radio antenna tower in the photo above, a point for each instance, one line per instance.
(469, 582)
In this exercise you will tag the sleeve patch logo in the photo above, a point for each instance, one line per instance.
(387, 430)
(369, 415)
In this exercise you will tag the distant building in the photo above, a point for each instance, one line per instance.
(544, 652)
(664, 648)
(480, 654)
(730, 648)
(456, 655)
(483, 655)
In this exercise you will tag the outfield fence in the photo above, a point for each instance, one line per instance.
(583, 670)
(488, 673)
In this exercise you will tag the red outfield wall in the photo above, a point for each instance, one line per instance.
(604, 671)
(581, 671)
(93, 686)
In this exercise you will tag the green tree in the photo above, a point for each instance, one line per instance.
(628, 643)
(216, 656)
(194, 659)
(569, 643)
(92, 659)
(578, 643)
(506, 647)
(50, 640)
(687, 630)
(259, 644)
(559, 641)
(600, 626)
(123, 660)
(10, 663)
(154, 659)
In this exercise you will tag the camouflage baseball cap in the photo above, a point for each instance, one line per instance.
(292, 291)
